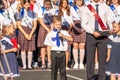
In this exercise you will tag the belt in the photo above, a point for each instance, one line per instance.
(101, 37)
(57, 51)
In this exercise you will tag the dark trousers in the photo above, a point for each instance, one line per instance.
(35, 56)
(58, 61)
(91, 44)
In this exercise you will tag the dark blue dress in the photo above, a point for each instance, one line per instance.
(113, 65)
(12, 60)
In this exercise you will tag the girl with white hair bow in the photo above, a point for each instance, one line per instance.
(8, 60)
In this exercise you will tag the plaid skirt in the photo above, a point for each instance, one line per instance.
(41, 36)
(78, 37)
(24, 43)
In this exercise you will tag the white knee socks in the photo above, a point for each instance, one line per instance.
(82, 54)
(23, 57)
(75, 55)
(30, 55)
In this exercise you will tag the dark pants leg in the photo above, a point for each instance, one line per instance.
(102, 50)
(35, 55)
(54, 67)
(90, 54)
(36, 52)
(62, 66)
(91, 45)
(58, 61)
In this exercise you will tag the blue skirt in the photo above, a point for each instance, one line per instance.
(13, 64)
(113, 65)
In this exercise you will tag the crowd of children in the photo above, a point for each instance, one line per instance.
(59, 30)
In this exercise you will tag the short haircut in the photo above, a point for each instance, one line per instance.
(56, 18)
(48, 1)
(25, 1)
(118, 22)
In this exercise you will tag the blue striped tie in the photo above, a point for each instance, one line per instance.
(96, 22)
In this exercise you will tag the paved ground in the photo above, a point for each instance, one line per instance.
(45, 75)
(38, 74)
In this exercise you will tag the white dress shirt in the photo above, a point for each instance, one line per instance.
(67, 18)
(76, 15)
(41, 12)
(88, 20)
(118, 11)
(14, 6)
(38, 6)
(63, 45)
(27, 19)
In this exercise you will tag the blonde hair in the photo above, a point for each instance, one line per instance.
(56, 18)
(4, 29)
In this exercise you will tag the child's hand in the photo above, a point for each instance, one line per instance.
(107, 59)
(8, 51)
(111, 32)
(18, 46)
(82, 30)
(30, 37)
(14, 49)
(96, 34)
(48, 31)
(2, 51)
(26, 36)
(60, 34)
(108, 54)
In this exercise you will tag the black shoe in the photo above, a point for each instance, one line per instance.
(29, 68)
(24, 68)
(43, 66)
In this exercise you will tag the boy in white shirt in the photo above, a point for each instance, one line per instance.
(57, 41)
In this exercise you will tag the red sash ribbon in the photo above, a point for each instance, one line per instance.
(97, 17)
(13, 40)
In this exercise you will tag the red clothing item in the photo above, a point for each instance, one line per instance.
(14, 41)
(31, 7)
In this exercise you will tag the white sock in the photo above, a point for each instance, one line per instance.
(75, 55)
(23, 57)
(30, 55)
(82, 55)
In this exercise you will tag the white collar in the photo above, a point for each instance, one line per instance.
(7, 40)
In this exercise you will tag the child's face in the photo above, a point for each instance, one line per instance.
(96, 0)
(79, 2)
(11, 29)
(11, 1)
(64, 5)
(47, 5)
(5, 4)
(27, 5)
(57, 25)
(116, 27)
(114, 1)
